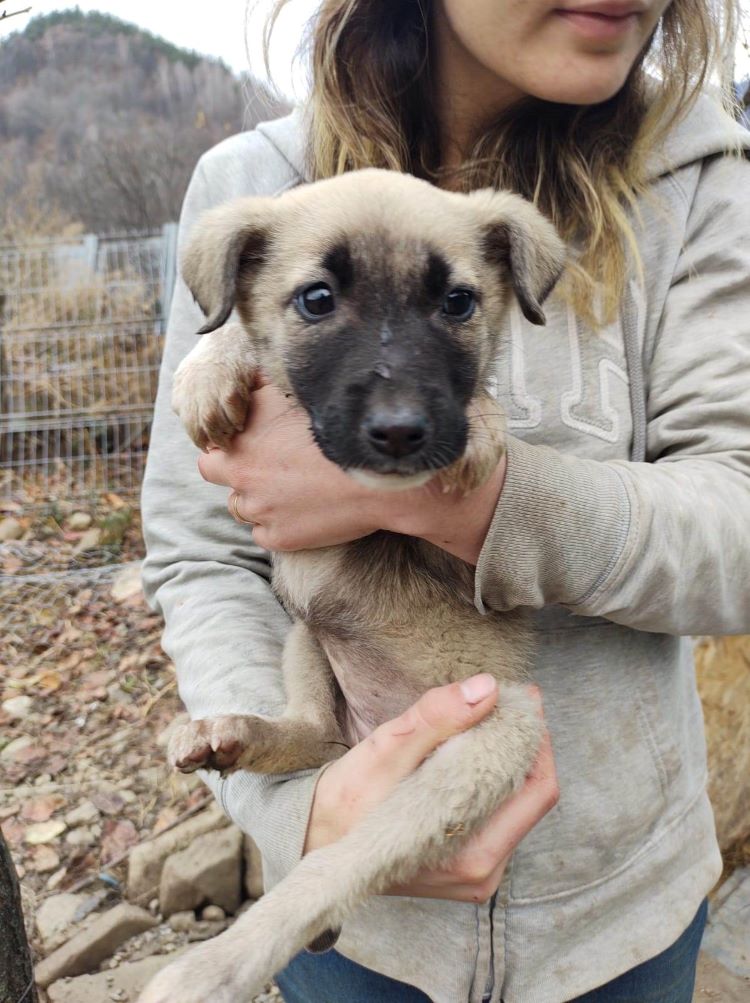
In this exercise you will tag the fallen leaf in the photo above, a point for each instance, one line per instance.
(29, 754)
(69, 634)
(56, 880)
(164, 819)
(13, 831)
(41, 809)
(118, 836)
(109, 802)
(55, 765)
(50, 682)
(71, 662)
(196, 797)
(43, 859)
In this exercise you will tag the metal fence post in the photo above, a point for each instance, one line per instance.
(169, 265)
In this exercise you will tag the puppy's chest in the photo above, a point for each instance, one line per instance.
(301, 579)
(382, 580)
(386, 616)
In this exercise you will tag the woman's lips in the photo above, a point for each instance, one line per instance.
(598, 25)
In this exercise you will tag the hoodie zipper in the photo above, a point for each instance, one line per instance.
(490, 983)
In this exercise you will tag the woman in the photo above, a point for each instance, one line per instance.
(620, 515)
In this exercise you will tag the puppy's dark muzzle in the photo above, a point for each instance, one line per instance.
(396, 432)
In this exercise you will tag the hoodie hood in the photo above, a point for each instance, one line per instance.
(706, 131)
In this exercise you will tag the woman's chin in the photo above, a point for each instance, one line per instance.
(583, 81)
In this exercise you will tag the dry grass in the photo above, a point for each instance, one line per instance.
(723, 668)
(78, 343)
(80, 348)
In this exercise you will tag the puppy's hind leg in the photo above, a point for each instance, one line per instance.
(422, 824)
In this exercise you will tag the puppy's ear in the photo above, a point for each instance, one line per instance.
(517, 236)
(227, 244)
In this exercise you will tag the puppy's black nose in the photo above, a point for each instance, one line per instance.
(396, 433)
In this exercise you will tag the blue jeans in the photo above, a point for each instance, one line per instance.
(331, 978)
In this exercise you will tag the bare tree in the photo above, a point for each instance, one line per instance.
(5, 14)
(16, 971)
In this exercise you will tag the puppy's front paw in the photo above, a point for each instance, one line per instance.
(212, 386)
(215, 743)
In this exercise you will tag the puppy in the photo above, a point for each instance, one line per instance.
(375, 301)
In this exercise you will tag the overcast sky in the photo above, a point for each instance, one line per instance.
(216, 29)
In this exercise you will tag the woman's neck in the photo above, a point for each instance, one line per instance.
(467, 94)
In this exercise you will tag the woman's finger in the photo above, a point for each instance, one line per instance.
(214, 467)
(517, 816)
(513, 820)
(482, 860)
(399, 746)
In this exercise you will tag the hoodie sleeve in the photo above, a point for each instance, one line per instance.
(662, 545)
(224, 627)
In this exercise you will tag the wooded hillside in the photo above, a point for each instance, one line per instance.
(101, 123)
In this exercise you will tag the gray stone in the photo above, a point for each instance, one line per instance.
(79, 521)
(44, 832)
(253, 869)
(181, 922)
(122, 983)
(82, 836)
(213, 914)
(146, 861)
(10, 529)
(727, 936)
(716, 984)
(85, 812)
(208, 871)
(54, 918)
(127, 583)
(205, 931)
(9, 751)
(87, 949)
(18, 707)
(89, 541)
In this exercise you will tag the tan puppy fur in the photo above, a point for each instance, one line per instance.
(391, 249)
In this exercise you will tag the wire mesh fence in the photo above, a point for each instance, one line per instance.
(31, 604)
(81, 332)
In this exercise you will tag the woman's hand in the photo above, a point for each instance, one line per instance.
(299, 500)
(294, 496)
(366, 775)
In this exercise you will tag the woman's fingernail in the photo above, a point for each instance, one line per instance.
(478, 687)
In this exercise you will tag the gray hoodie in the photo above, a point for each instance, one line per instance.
(623, 523)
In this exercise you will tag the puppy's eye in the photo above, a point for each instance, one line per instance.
(316, 301)
(459, 304)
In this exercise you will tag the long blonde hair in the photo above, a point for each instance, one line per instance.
(584, 166)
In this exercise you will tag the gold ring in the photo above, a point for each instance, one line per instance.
(233, 502)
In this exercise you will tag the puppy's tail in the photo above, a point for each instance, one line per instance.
(423, 823)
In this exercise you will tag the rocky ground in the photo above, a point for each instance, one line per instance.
(87, 805)
(122, 863)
